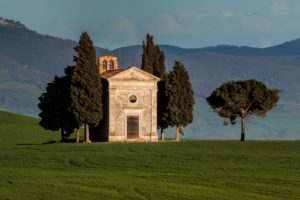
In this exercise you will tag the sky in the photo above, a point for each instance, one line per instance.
(184, 23)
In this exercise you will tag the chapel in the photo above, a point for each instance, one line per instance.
(129, 103)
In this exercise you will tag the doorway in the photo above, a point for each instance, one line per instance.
(132, 127)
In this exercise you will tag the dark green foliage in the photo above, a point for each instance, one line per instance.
(86, 89)
(242, 98)
(232, 97)
(55, 106)
(153, 61)
(74, 99)
(180, 97)
(148, 56)
(162, 122)
(159, 68)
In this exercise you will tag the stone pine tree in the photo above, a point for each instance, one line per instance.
(239, 99)
(86, 88)
(153, 61)
(55, 106)
(180, 99)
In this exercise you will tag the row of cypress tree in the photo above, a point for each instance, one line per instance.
(175, 93)
(74, 99)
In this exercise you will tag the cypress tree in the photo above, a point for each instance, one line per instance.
(55, 106)
(160, 71)
(86, 88)
(148, 57)
(159, 68)
(180, 99)
(153, 61)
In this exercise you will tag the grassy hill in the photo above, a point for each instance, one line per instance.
(32, 168)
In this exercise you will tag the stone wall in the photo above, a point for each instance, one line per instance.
(120, 107)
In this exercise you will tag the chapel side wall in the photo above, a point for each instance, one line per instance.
(154, 113)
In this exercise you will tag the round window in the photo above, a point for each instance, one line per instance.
(132, 98)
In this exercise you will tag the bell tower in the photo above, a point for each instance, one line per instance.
(107, 63)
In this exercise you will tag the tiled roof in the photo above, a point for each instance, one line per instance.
(109, 73)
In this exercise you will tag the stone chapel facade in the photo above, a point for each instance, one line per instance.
(129, 102)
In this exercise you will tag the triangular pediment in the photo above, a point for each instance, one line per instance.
(133, 73)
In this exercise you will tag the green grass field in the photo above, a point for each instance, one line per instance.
(32, 168)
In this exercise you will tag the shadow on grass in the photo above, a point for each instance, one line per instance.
(44, 143)
(71, 140)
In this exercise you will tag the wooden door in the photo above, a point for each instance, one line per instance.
(132, 127)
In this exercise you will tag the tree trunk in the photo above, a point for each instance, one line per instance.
(177, 134)
(62, 135)
(87, 134)
(84, 132)
(162, 135)
(243, 125)
(77, 136)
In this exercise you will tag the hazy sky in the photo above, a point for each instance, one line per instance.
(185, 23)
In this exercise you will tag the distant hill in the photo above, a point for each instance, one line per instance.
(209, 67)
(29, 60)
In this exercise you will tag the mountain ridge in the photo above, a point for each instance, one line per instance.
(243, 50)
(29, 60)
(44, 53)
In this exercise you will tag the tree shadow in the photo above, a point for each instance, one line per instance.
(35, 144)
